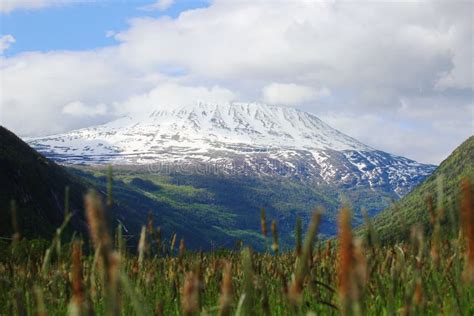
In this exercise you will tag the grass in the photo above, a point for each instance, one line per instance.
(394, 223)
(424, 274)
(230, 202)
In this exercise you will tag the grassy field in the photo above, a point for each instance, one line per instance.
(350, 276)
(226, 209)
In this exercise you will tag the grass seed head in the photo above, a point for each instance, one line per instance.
(225, 301)
(467, 216)
(275, 245)
(142, 246)
(298, 236)
(182, 247)
(348, 292)
(190, 294)
(97, 221)
(76, 277)
(263, 222)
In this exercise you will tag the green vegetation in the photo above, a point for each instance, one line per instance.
(353, 276)
(424, 264)
(209, 211)
(38, 187)
(440, 191)
(226, 209)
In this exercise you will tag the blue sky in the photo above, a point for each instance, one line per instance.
(79, 26)
(396, 75)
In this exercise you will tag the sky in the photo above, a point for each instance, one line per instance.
(396, 75)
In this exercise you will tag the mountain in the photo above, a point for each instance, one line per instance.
(394, 223)
(237, 139)
(207, 212)
(225, 209)
(38, 187)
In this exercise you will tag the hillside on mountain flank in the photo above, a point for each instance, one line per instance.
(38, 184)
(226, 209)
(207, 211)
(238, 139)
(38, 187)
(442, 187)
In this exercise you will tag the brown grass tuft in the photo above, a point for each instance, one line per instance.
(346, 254)
(142, 246)
(467, 217)
(77, 304)
(225, 301)
(97, 221)
(275, 245)
(352, 270)
(108, 259)
(263, 222)
(76, 275)
(190, 295)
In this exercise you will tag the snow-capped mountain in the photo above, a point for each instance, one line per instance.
(241, 138)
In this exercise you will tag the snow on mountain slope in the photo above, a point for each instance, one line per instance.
(242, 138)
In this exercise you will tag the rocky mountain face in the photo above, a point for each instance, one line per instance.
(237, 138)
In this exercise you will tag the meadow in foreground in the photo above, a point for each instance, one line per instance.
(351, 275)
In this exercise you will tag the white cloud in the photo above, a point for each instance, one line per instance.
(7, 6)
(315, 43)
(110, 33)
(36, 86)
(384, 59)
(291, 94)
(78, 108)
(172, 95)
(160, 5)
(422, 133)
(5, 42)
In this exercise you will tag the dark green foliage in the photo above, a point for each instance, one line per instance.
(38, 187)
(218, 211)
(145, 185)
(38, 276)
(394, 223)
(44, 192)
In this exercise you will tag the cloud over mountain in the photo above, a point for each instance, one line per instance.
(380, 63)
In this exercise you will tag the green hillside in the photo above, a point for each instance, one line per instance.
(223, 210)
(442, 188)
(207, 211)
(38, 187)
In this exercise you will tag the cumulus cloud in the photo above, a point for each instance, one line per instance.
(291, 94)
(159, 5)
(5, 42)
(402, 60)
(36, 86)
(7, 6)
(318, 42)
(167, 96)
(78, 108)
(424, 133)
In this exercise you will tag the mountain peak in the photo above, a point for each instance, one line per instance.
(237, 137)
(253, 123)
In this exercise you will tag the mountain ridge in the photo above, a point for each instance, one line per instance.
(442, 187)
(247, 138)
